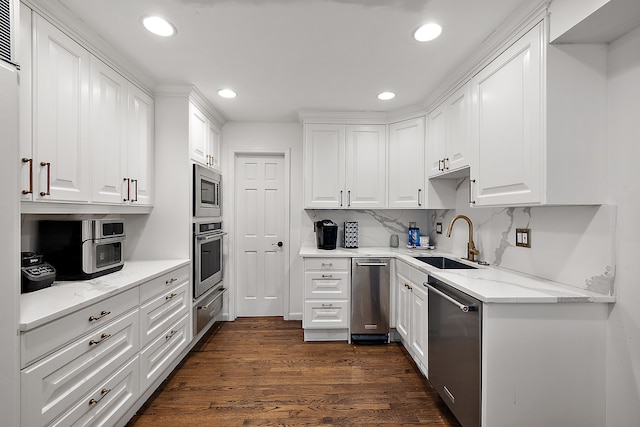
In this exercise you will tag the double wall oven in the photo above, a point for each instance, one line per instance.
(208, 237)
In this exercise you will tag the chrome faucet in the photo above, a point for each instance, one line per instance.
(471, 247)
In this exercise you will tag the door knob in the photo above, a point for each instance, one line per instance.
(279, 244)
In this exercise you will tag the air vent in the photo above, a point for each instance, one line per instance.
(5, 30)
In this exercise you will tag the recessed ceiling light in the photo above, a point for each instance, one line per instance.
(386, 96)
(227, 93)
(427, 32)
(158, 26)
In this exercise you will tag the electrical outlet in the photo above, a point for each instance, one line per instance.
(438, 228)
(523, 237)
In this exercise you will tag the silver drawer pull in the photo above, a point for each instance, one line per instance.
(168, 297)
(371, 264)
(102, 314)
(327, 264)
(327, 305)
(170, 334)
(327, 276)
(102, 338)
(103, 393)
(170, 281)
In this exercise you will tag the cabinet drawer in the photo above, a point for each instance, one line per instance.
(331, 284)
(43, 340)
(162, 283)
(162, 351)
(108, 402)
(53, 384)
(327, 264)
(413, 274)
(326, 314)
(159, 313)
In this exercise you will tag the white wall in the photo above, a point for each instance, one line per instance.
(623, 345)
(266, 138)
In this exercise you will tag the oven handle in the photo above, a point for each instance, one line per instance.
(463, 307)
(206, 307)
(210, 236)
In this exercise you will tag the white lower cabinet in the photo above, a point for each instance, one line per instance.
(158, 355)
(327, 288)
(53, 385)
(412, 313)
(91, 366)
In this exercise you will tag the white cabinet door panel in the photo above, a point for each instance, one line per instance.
(406, 164)
(508, 143)
(458, 123)
(324, 166)
(198, 126)
(326, 314)
(61, 119)
(140, 146)
(419, 324)
(403, 303)
(436, 142)
(108, 133)
(365, 167)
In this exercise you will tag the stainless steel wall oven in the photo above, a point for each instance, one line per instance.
(207, 256)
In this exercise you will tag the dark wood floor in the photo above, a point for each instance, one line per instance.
(259, 371)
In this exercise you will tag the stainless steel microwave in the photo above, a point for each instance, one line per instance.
(82, 249)
(207, 197)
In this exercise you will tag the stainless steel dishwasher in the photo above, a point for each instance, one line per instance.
(454, 349)
(370, 289)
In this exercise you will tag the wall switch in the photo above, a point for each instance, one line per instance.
(438, 228)
(523, 237)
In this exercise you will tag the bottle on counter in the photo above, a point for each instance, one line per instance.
(414, 235)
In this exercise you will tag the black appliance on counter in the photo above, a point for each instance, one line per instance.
(82, 249)
(326, 234)
(36, 274)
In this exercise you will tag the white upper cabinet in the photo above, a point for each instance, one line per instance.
(61, 149)
(324, 166)
(448, 138)
(121, 139)
(140, 146)
(204, 138)
(366, 166)
(406, 164)
(344, 166)
(538, 133)
(108, 134)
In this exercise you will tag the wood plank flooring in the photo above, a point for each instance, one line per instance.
(259, 371)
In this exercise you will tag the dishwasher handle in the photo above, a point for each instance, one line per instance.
(465, 308)
(371, 264)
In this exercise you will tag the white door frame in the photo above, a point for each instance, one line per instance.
(233, 290)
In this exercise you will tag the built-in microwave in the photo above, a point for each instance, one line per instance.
(207, 197)
(82, 249)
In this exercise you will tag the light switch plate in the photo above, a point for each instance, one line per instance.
(438, 228)
(523, 237)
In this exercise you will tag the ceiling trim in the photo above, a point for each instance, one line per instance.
(195, 96)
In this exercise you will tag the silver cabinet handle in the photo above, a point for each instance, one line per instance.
(48, 166)
(327, 264)
(102, 314)
(340, 198)
(461, 306)
(327, 305)
(371, 264)
(327, 276)
(103, 393)
(419, 196)
(102, 338)
(348, 198)
(445, 162)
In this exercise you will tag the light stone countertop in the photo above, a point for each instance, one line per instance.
(61, 298)
(489, 284)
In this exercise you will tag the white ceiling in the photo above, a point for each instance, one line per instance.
(282, 56)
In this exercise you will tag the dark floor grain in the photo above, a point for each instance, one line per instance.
(259, 371)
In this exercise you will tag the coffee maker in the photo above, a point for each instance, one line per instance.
(326, 234)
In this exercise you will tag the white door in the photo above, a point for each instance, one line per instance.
(260, 226)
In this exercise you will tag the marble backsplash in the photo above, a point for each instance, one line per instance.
(573, 245)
